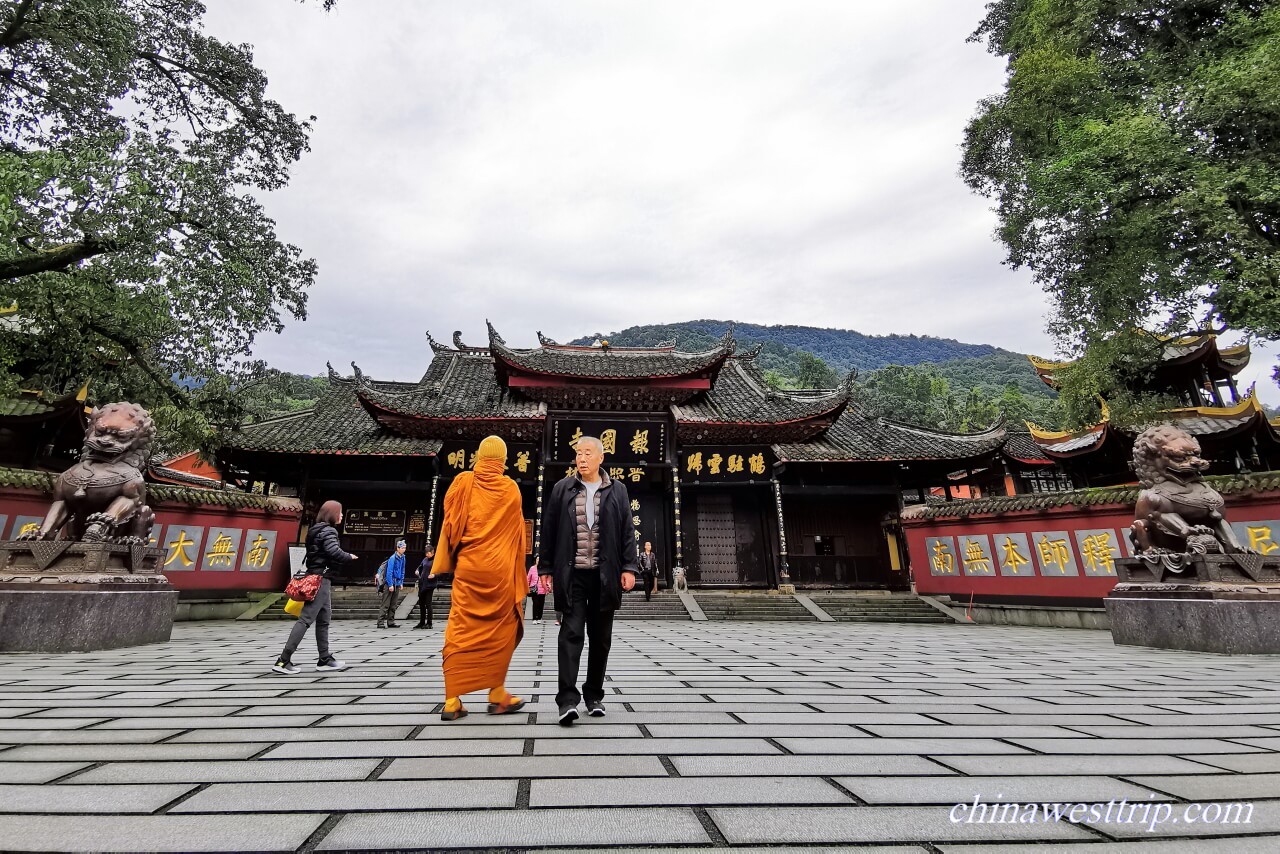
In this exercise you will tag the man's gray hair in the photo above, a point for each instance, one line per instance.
(593, 440)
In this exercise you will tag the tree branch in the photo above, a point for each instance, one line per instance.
(162, 382)
(58, 258)
(12, 34)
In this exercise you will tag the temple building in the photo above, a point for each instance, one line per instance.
(1232, 428)
(741, 484)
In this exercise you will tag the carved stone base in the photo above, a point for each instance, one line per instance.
(59, 596)
(1211, 606)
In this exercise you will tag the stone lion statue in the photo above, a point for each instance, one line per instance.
(103, 497)
(1177, 512)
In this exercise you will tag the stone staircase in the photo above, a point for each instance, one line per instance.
(763, 607)
(851, 607)
(362, 603)
(665, 605)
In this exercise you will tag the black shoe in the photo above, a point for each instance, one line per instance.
(595, 709)
(393, 625)
(568, 715)
(381, 625)
(422, 626)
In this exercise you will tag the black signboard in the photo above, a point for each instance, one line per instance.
(522, 460)
(387, 523)
(726, 464)
(625, 442)
(417, 522)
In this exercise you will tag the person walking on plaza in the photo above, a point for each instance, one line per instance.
(392, 580)
(323, 553)
(426, 587)
(482, 543)
(589, 549)
(539, 587)
(649, 570)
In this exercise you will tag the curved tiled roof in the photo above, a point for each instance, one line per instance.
(456, 385)
(1023, 448)
(741, 395)
(42, 481)
(1185, 350)
(611, 363)
(337, 424)
(858, 437)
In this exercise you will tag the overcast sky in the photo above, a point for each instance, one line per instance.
(580, 166)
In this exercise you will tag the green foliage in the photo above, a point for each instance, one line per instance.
(1133, 156)
(131, 146)
(921, 395)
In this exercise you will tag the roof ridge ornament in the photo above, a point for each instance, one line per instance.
(666, 345)
(545, 341)
(457, 340)
(436, 346)
(494, 337)
(358, 375)
(748, 355)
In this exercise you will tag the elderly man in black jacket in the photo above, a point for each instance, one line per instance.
(589, 549)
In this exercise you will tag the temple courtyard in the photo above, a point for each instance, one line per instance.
(718, 734)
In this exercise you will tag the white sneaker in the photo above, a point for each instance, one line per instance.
(537, 621)
(332, 664)
(288, 668)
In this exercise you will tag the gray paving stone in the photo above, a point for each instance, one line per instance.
(749, 731)
(86, 736)
(157, 832)
(1242, 817)
(857, 719)
(923, 746)
(461, 829)
(131, 752)
(1245, 763)
(525, 766)
(380, 749)
(1215, 786)
(804, 766)
(873, 824)
(1003, 719)
(19, 724)
(89, 799)
(250, 771)
(1130, 731)
(359, 796)
(1076, 765)
(219, 722)
(1237, 845)
(962, 731)
(656, 746)
(273, 734)
(37, 772)
(693, 791)
(953, 790)
(1113, 746)
(469, 729)
(618, 715)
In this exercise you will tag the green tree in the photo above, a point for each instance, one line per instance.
(813, 372)
(1133, 157)
(132, 145)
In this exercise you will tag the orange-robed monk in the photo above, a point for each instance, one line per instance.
(482, 543)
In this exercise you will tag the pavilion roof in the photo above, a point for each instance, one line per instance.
(859, 437)
(337, 424)
(1176, 351)
(608, 363)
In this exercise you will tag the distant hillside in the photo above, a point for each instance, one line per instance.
(963, 365)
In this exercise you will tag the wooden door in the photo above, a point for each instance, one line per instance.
(717, 540)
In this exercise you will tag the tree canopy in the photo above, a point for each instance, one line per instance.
(132, 149)
(1133, 156)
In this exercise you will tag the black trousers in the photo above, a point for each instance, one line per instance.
(583, 621)
(318, 611)
(539, 603)
(424, 605)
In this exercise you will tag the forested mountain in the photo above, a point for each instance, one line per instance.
(964, 366)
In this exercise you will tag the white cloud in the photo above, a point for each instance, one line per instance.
(578, 165)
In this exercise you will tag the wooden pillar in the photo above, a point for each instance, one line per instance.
(1235, 391)
(784, 571)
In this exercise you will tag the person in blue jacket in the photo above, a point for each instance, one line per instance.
(392, 582)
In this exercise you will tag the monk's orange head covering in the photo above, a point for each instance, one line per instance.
(492, 448)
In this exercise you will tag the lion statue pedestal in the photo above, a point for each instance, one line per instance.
(1191, 584)
(99, 586)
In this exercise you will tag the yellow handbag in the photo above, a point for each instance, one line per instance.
(294, 607)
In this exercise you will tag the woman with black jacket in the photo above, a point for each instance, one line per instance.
(323, 554)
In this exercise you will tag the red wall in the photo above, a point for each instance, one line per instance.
(1039, 535)
(219, 542)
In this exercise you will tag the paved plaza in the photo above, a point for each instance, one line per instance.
(718, 734)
